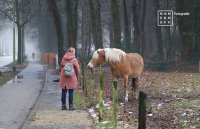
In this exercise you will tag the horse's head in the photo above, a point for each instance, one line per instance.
(97, 58)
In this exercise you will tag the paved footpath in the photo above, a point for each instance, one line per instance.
(47, 113)
(18, 96)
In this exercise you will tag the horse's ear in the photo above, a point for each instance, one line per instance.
(101, 52)
(98, 52)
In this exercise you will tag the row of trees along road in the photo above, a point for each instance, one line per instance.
(20, 12)
(127, 24)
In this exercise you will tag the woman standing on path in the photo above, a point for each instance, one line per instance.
(69, 83)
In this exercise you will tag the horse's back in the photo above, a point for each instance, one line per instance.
(136, 57)
(136, 64)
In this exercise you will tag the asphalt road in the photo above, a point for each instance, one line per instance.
(18, 96)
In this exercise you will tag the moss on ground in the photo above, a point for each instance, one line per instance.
(6, 76)
(78, 100)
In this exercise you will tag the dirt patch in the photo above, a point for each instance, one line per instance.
(173, 99)
(60, 117)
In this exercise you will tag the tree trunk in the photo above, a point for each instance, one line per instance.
(89, 45)
(142, 13)
(111, 36)
(71, 11)
(158, 32)
(96, 23)
(168, 42)
(116, 23)
(136, 26)
(19, 58)
(75, 22)
(23, 44)
(127, 31)
(85, 29)
(58, 25)
(167, 34)
(22, 34)
(189, 29)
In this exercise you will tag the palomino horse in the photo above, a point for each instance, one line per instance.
(126, 66)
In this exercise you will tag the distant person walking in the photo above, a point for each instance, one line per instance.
(33, 55)
(68, 82)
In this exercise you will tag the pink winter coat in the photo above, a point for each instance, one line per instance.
(69, 82)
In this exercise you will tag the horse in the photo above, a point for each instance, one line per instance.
(123, 65)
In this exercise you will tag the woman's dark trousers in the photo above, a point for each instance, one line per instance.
(63, 97)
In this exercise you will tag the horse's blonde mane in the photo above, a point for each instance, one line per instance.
(113, 54)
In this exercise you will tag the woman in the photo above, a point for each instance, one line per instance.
(69, 83)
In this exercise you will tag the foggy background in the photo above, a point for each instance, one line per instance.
(52, 26)
(6, 43)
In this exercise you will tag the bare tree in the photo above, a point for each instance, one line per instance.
(96, 23)
(57, 22)
(25, 10)
(72, 16)
(135, 19)
(85, 28)
(127, 24)
(166, 34)
(158, 30)
(116, 23)
(141, 23)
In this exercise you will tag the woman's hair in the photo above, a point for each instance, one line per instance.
(71, 49)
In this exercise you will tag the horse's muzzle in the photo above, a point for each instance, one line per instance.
(90, 66)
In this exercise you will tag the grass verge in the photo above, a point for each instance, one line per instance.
(6, 76)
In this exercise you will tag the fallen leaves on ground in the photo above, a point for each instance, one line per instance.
(173, 99)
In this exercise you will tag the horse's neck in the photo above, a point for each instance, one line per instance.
(117, 64)
(115, 60)
(111, 64)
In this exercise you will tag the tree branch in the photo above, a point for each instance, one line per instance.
(10, 17)
(28, 19)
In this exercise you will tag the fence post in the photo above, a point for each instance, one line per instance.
(100, 95)
(142, 110)
(115, 104)
(84, 88)
(91, 88)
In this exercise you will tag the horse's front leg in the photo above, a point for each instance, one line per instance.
(125, 92)
(126, 88)
(136, 87)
